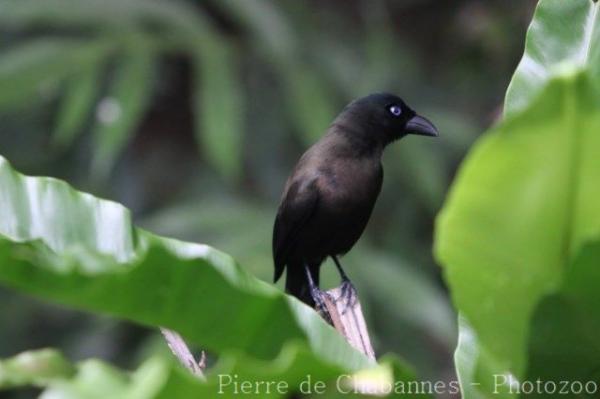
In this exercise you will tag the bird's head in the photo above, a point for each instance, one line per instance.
(383, 118)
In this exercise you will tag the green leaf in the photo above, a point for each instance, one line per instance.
(564, 342)
(122, 107)
(36, 68)
(309, 102)
(70, 247)
(81, 92)
(59, 378)
(479, 374)
(296, 367)
(563, 34)
(465, 361)
(31, 14)
(308, 98)
(34, 368)
(524, 202)
(106, 17)
(156, 377)
(266, 23)
(219, 107)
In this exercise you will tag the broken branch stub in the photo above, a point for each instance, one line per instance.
(348, 319)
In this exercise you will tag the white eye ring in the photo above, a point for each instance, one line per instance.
(395, 110)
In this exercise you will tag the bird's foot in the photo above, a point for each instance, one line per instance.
(348, 295)
(320, 306)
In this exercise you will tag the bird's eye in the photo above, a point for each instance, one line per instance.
(395, 110)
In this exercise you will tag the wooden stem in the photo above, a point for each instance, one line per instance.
(182, 352)
(349, 320)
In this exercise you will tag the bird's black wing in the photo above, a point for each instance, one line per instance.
(297, 206)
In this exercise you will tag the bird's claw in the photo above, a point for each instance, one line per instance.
(320, 306)
(348, 295)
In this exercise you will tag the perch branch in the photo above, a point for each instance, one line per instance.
(182, 352)
(350, 321)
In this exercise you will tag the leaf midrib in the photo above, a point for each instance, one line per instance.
(589, 29)
(571, 175)
(574, 163)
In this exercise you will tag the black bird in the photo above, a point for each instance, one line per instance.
(328, 198)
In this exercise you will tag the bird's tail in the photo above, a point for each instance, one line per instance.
(296, 282)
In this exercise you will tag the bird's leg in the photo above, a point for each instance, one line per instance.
(317, 296)
(348, 292)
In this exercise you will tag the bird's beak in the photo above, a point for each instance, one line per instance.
(421, 126)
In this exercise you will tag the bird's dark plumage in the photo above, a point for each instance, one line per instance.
(328, 199)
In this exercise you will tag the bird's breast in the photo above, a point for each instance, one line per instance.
(351, 186)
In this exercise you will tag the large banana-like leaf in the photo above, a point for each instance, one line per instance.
(73, 248)
(520, 209)
(524, 203)
(562, 33)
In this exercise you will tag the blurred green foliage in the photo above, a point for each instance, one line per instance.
(193, 113)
